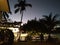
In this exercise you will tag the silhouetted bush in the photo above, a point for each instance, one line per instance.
(6, 36)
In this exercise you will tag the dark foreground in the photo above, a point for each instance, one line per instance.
(36, 43)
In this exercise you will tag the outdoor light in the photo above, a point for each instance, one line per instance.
(14, 29)
(24, 34)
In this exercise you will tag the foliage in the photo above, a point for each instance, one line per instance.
(32, 25)
(6, 36)
(5, 15)
(49, 22)
(44, 25)
(21, 6)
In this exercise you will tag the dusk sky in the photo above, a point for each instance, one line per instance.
(39, 8)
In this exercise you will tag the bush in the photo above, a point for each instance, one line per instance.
(6, 36)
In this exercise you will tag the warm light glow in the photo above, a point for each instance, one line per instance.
(45, 36)
(24, 34)
(16, 36)
(14, 29)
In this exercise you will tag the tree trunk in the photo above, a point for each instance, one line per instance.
(21, 16)
(20, 25)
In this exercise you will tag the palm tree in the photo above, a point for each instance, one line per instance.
(49, 22)
(42, 27)
(21, 6)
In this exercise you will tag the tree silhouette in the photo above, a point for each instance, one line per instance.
(42, 27)
(6, 36)
(32, 25)
(21, 6)
(9, 36)
(49, 22)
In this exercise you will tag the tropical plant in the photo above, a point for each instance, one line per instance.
(21, 6)
(5, 16)
(49, 22)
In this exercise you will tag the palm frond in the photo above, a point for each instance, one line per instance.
(57, 22)
(28, 5)
(16, 10)
(55, 16)
(6, 15)
(16, 5)
(25, 1)
(45, 17)
(50, 15)
(10, 12)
